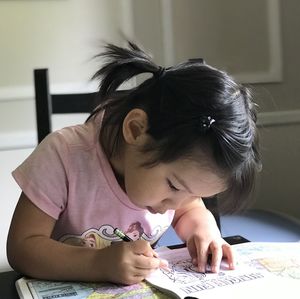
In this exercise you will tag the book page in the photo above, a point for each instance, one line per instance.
(280, 259)
(268, 269)
(42, 289)
(246, 281)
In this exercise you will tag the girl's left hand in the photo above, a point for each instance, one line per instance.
(209, 250)
(197, 226)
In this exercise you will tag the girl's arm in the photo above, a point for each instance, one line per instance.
(197, 227)
(31, 251)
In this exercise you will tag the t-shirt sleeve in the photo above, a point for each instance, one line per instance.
(43, 175)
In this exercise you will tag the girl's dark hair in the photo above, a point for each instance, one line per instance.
(191, 107)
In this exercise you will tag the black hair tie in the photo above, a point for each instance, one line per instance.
(204, 123)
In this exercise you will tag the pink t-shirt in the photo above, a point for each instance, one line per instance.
(69, 178)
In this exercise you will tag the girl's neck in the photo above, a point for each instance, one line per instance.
(113, 151)
(117, 168)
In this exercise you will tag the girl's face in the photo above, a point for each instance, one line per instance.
(168, 186)
(164, 186)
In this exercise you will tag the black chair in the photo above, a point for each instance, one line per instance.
(47, 104)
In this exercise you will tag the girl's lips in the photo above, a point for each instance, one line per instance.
(152, 211)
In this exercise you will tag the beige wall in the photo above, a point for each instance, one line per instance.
(286, 94)
(279, 188)
(60, 35)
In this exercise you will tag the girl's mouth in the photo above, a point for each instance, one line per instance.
(151, 210)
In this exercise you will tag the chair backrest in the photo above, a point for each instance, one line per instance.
(47, 104)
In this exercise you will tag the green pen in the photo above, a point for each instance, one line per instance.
(122, 235)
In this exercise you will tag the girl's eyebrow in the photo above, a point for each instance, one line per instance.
(183, 183)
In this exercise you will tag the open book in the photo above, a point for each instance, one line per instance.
(272, 269)
(264, 269)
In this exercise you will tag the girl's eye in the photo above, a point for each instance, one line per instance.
(172, 187)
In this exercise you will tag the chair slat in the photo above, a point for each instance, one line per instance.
(47, 104)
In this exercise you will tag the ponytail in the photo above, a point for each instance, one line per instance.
(121, 64)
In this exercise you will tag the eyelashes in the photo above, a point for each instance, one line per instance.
(171, 186)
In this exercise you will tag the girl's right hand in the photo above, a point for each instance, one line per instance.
(129, 262)
(32, 252)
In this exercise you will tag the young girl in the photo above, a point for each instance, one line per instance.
(143, 161)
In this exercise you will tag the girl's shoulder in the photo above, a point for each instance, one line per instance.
(82, 135)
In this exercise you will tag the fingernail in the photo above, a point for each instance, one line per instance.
(164, 262)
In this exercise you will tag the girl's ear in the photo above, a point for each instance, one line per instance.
(135, 126)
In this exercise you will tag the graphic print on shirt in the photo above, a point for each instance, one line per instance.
(104, 236)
